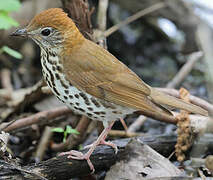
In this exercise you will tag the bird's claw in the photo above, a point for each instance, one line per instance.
(79, 156)
(108, 143)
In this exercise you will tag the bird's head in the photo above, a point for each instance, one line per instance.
(52, 28)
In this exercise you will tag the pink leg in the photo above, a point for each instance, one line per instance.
(101, 140)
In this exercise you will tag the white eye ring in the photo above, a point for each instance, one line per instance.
(46, 32)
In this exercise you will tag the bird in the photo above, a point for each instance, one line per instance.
(90, 80)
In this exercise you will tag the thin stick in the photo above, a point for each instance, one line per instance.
(137, 124)
(36, 118)
(124, 124)
(6, 82)
(102, 14)
(6, 79)
(123, 134)
(101, 20)
(185, 70)
(43, 144)
(134, 17)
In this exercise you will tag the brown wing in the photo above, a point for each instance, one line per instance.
(97, 72)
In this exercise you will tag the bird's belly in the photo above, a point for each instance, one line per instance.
(79, 101)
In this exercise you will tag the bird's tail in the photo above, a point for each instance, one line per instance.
(165, 99)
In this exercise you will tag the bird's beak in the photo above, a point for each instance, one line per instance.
(20, 32)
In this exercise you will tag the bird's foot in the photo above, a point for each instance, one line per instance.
(101, 140)
(79, 156)
(107, 143)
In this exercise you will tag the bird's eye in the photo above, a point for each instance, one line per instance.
(46, 32)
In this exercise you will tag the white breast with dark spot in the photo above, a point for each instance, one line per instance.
(80, 102)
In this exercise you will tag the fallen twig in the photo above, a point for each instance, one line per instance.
(6, 82)
(36, 118)
(43, 144)
(123, 134)
(136, 125)
(185, 70)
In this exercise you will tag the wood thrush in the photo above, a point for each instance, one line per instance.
(90, 80)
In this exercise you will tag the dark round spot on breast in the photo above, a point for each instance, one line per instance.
(49, 83)
(97, 113)
(52, 53)
(95, 102)
(65, 97)
(77, 103)
(107, 105)
(116, 112)
(63, 84)
(77, 96)
(82, 110)
(55, 90)
(70, 96)
(84, 96)
(57, 75)
(46, 79)
(66, 91)
(87, 102)
(90, 109)
(59, 68)
(89, 114)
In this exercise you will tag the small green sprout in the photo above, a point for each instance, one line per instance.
(68, 130)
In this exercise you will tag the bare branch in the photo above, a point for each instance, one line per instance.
(36, 118)
(134, 17)
(185, 70)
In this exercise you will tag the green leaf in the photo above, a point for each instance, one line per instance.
(59, 130)
(64, 139)
(10, 5)
(70, 130)
(6, 21)
(80, 147)
(11, 52)
(65, 136)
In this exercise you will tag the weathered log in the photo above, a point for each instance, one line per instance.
(103, 158)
